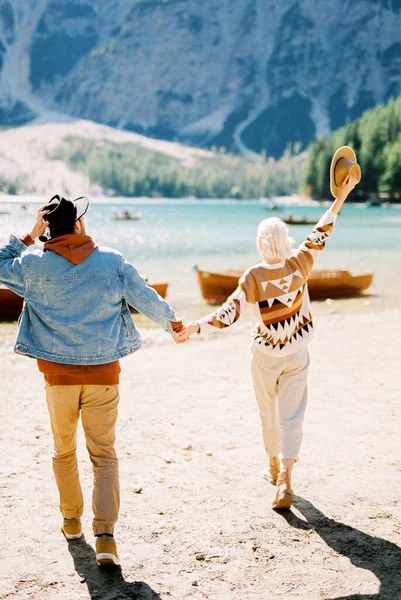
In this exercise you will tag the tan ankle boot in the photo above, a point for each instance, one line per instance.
(284, 495)
(271, 473)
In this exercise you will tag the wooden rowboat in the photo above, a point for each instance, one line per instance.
(160, 288)
(294, 221)
(11, 303)
(327, 284)
(216, 287)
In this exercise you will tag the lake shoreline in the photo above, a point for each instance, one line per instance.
(285, 201)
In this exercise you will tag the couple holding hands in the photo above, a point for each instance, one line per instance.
(77, 325)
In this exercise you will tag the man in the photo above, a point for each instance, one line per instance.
(76, 323)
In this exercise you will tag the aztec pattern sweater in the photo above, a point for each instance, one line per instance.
(277, 296)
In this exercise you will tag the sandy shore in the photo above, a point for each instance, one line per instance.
(188, 435)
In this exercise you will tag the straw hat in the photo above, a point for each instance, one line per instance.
(342, 164)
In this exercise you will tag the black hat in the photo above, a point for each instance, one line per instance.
(63, 212)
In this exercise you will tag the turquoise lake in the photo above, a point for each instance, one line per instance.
(173, 236)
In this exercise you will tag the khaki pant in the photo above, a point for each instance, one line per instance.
(280, 386)
(98, 405)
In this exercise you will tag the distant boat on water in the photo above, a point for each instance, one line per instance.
(216, 287)
(127, 216)
(291, 220)
(270, 205)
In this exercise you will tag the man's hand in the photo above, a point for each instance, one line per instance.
(40, 225)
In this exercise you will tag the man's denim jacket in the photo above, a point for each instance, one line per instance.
(78, 314)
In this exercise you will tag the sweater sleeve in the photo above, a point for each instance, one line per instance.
(225, 316)
(310, 249)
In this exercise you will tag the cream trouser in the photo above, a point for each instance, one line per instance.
(98, 405)
(281, 393)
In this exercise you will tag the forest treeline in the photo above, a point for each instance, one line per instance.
(376, 140)
(131, 170)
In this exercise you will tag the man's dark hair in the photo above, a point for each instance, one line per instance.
(63, 230)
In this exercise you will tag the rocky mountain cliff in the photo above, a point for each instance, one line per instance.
(250, 75)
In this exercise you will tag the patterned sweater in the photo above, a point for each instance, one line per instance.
(277, 296)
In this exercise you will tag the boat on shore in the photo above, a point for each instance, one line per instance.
(161, 288)
(217, 286)
(11, 304)
(337, 283)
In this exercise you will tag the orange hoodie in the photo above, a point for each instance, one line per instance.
(75, 248)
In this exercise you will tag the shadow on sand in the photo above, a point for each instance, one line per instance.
(381, 557)
(105, 584)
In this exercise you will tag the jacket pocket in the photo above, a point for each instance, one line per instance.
(127, 320)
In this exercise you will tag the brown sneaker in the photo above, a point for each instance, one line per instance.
(271, 473)
(284, 495)
(106, 551)
(72, 528)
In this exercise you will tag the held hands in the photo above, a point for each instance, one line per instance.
(176, 337)
(185, 333)
(40, 225)
(189, 330)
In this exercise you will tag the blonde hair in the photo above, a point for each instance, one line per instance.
(273, 240)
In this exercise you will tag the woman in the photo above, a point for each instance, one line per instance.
(276, 292)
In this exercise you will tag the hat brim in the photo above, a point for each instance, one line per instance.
(81, 204)
(343, 152)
